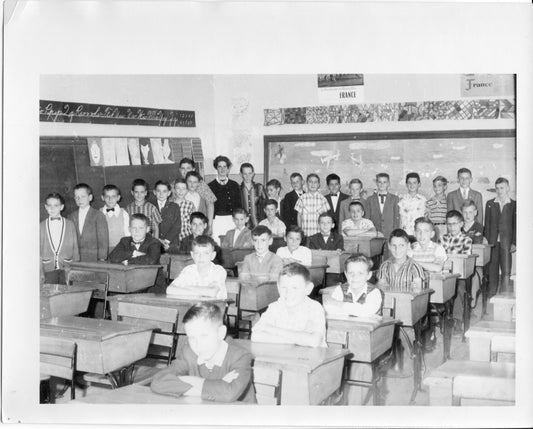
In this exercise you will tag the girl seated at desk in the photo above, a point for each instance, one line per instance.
(357, 297)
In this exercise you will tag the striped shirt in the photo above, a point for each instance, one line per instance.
(434, 253)
(310, 206)
(186, 208)
(400, 280)
(147, 209)
(437, 208)
(459, 244)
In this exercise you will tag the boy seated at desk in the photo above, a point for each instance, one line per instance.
(293, 252)
(430, 255)
(326, 239)
(240, 237)
(357, 224)
(294, 318)
(141, 248)
(400, 273)
(207, 366)
(199, 224)
(357, 297)
(262, 265)
(203, 278)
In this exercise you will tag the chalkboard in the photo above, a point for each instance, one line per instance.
(64, 162)
(489, 154)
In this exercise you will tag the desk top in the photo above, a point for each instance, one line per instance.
(83, 328)
(353, 323)
(136, 394)
(503, 297)
(453, 368)
(105, 266)
(290, 356)
(414, 294)
(165, 300)
(443, 276)
(49, 289)
(494, 327)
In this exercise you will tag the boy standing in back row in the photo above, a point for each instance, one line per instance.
(455, 199)
(310, 205)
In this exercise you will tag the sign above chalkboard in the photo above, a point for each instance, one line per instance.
(63, 111)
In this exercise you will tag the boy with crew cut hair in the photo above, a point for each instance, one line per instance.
(455, 199)
(400, 273)
(118, 220)
(294, 318)
(207, 366)
(203, 278)
(326, 239)
(262, 265)
(240, 237)
(382, 206)
(287, 212)
(171, 221)
(253, 195)
(437, 206)
(293, 251)
(272, 221)
(471, 227)
(273, 191)
(430, 255)
(412, 205)
(58, 241)
(356, 189)
(186, 207)
(335, 197)
(310, 205)
(91, 226)
(139, 191)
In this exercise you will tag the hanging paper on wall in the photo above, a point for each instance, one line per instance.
(157, 150)
(108, 150)
(340, 88)
(167, 152)
(121, 150)
(147, 156)
(135, 153)
(95, 152)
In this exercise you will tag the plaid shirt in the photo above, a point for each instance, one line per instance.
(186, 208)
(460, 244)
(437, 209)
(400, 281)
(311, 206)
(147, 209)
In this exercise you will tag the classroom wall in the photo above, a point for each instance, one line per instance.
(230, 108)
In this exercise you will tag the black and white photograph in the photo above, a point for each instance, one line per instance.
(205, 237)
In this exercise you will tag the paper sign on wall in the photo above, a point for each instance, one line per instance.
(475, 85)
(340, 88)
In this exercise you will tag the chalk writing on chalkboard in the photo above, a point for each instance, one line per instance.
(63, 111)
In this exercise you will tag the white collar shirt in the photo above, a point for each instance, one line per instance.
(82, 214)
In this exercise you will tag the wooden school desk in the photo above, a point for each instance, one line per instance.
(464, 265)
(309, 374)
(104, 346)
(163, 301)
(367, 339)
(62, 300)
(483, 258)
(175, 263)
(444, 286)
(334, 260)
(504, 306)
(487, 337)
(122, 278)
(369, 244)
(137, 394)
(411, 307)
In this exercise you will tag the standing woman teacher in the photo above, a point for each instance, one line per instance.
(228, 196)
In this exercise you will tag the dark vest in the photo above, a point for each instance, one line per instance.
(348, 297)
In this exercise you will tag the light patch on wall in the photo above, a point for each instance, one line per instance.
(438, 156)
(377, 145)
(497, 145)
(395, 158)
(458, 147)
(305, 144)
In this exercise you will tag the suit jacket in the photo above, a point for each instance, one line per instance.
(344, 209)
(501, 222)
(454, 201)
(288, 215)
(170, 226)
(335, 211)
(125, 247)
(335, 241)
(387, 221)
(244, 240)
(93, 241)
(68, 249)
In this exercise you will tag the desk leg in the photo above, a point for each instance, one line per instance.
(447, 326)
(484, 290)
(466, 306)
(416, 355)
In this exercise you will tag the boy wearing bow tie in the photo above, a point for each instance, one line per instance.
(118, 220)
(382, 207)
(335, 197)
(58, 241)
(141, 248)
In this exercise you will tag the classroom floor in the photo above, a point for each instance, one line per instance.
(398, 386)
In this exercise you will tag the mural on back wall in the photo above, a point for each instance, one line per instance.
(391, 112)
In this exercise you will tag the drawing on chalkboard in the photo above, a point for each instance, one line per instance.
(147, 157)
(95, 150)
(135, 154)
(121, 151)
(167, 152)
(326, 156)
(280, 154)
